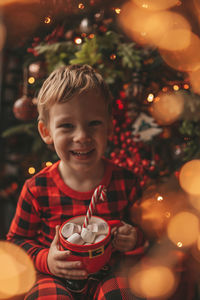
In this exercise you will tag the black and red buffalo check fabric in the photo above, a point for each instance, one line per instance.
(46, 201)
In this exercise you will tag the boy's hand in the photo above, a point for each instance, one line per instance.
(58, 264)
(125, 237)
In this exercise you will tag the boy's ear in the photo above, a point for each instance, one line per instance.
(45, 133)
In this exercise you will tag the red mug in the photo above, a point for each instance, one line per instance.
(93, 256)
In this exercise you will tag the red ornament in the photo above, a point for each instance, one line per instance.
(24, 109)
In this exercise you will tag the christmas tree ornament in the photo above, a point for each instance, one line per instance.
(86, 26)
(24, 109)
(37, 69)
(145, 128)
(167, 108)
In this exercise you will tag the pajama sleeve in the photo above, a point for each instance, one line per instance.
(24, 229)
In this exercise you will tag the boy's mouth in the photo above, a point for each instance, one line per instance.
(82, 153)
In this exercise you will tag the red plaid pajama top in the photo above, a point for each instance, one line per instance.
(46, 201)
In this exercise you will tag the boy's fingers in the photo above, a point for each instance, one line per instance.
(63, 255)
(56, 237)
(126, 229)
(113, 230)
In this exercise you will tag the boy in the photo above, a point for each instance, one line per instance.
(74, 106)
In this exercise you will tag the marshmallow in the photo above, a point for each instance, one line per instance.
(99, 238)
(100, 228)
(75, 238)
(87, 235)
(70, 228)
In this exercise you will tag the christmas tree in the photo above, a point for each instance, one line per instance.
(148, 53)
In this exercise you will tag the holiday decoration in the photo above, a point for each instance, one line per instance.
(167, 108)
(99, 193)
(145, 128)
(24, 109)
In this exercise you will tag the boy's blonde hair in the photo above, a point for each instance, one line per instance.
(68, 81)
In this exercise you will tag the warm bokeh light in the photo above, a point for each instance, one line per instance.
(183, 229)
(157, 206)
(194, 78)
(2, 35)
(150, 97)
(31, 170)
(189, 177)
(163, 29)
(48, 163)
(31, 80)
(47, 20)
(194, 201)
(17, 273)
(118, 10)
(167, 30)
(186, 60)
(167, 108)
(133, 20)
(152, 282)
(156, 4)
(78, 40)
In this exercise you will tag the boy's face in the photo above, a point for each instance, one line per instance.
(79, 130)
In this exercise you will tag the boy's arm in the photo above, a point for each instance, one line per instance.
(24, 230)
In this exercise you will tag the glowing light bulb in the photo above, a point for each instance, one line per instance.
(78, 40)
(48, 163)
(113, 56)
(31, 170)
(186, 86)
(118, 10)
(150, 98)
(175, 87)
(31, 80)
(165, 89)
(159, 198)
(179, 244)
(81, 6)
(47, 20)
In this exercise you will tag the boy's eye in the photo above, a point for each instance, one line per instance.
(95, 123)
(67, 125)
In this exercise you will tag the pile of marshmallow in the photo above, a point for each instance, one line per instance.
(77, 234)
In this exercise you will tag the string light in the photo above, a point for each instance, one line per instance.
(150, 98)
(31, 170)
(47, 20)
(78, 40)
(91, 36)
(159, 198)
(118, 10)
(165, 89)
(186, 86)
(48, 163)
(31, 80)
(179, 244)
(113, 56)
(175, 87)
(81, 6)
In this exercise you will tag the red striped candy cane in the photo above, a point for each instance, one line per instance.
(99, 193)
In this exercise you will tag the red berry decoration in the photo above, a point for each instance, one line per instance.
(24, 109)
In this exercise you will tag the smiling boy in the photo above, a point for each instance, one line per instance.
(74, 106)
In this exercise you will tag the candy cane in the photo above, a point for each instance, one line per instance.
(99, 193)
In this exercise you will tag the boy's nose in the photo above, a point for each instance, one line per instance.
(82, 135)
